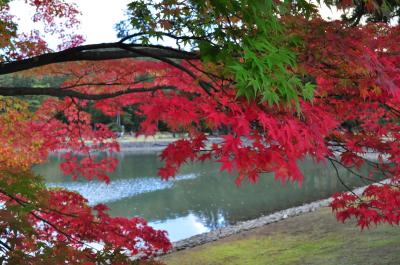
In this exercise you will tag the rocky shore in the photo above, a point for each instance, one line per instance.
(159, 145)
(255, 223)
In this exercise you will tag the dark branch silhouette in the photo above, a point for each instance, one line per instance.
(60, 92)
(97, 52)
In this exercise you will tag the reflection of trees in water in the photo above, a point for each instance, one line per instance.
(213, 218)
(213, 196)
(130, 165)
(51, 169)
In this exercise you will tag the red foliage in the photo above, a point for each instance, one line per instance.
(57, 18)
(68, 224)
(357, 74)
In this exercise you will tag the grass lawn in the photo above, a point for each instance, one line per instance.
(313, 238)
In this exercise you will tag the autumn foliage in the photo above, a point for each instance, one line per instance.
(344, 111)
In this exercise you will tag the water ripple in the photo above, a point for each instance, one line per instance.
(99, 192)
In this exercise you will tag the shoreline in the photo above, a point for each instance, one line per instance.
(147, 146)
(240, 227)
(314, 238)
(154, 146)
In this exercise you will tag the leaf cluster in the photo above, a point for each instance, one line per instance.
(385, 11)
(247, 38)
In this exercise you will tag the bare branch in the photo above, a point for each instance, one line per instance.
(97, 52)
(341, 180)
(62, 92)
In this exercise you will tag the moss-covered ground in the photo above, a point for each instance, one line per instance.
(313, 238)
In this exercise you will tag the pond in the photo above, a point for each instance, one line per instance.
(200, 198)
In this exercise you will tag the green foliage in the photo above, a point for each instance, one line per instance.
(4, 2)
(15, 80)
(246, 37)
(28, 184)
(34, 102)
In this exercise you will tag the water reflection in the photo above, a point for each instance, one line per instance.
(100, 192)
(183, 227)
(201, 198)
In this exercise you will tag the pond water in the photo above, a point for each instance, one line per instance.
(200, 198)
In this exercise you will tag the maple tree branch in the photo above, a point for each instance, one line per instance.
(61, 92)
(341, 180)
(69, 237)
(59, 230)
(203, 84)
(352, 171)
(96, 52)
(172, 36)
(391, 108)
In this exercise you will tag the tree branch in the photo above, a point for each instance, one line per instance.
(167, 34)
(204, 85)
(340, 179)
(97, 52)
(60, 92)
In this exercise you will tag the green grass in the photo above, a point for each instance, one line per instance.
(271, 250)
(312, 239)
(280, 251)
